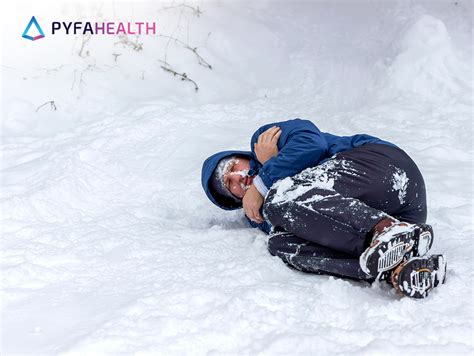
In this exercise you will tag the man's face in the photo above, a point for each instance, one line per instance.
(236, 178)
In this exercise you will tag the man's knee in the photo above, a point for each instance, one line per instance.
(272, 211)
(283, 244)
(273, 245)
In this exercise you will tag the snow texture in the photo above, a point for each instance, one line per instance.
(321, 176)
(109, 244)
(400, 184)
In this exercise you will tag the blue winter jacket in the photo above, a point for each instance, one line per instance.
(301, 145)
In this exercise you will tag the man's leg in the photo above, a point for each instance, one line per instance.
(306, 256)
(337, 203)
(371, 182)
(385, 178)
(321, 215)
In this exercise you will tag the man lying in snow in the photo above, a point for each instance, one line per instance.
(347, 206)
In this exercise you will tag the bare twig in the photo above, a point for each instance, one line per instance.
(167, 68)
(51, 102)
(124, 40)
(207, 38)
(85, 39)
(81, 77)
(201, 60)
(174, 31)
(195, 10)
(73, 80)
(89, 67)
(8, 67)
(116, 55)
(50, 70)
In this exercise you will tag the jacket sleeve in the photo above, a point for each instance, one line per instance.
(265, 226)
(301, 145)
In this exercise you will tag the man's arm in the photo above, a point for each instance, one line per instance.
(301, 145)
(265, 226)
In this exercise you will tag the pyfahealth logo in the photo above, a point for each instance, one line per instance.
(93, 28)
(38, 27)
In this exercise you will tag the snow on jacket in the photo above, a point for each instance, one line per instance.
(301, 145)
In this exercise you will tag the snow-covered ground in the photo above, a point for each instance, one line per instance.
(109, 244)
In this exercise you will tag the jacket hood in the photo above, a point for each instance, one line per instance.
(208, 168)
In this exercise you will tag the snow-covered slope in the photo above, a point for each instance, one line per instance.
(108, 242)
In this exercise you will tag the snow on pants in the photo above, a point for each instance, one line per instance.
(329, 210)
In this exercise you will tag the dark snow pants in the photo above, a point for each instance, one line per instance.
(327, 211)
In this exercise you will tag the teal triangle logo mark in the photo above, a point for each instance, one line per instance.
(33, 22)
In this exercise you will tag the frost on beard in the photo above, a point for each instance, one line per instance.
(400, 184)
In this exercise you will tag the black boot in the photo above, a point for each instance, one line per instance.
(396, 243)
(417, 276)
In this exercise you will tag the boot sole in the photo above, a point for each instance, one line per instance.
(418, 276)
(385, 254)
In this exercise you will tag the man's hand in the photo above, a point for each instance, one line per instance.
(252, 201)
(266, 145)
